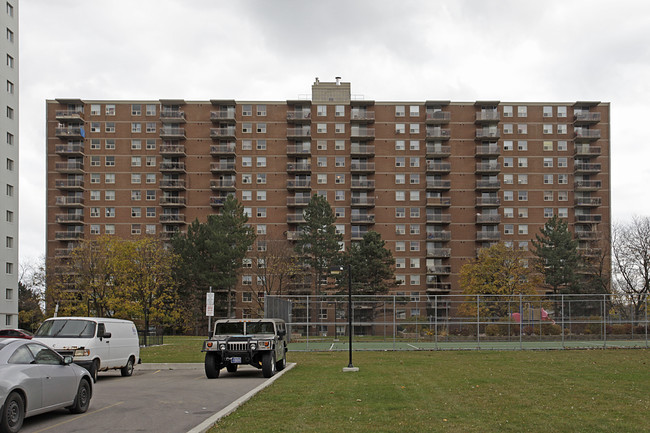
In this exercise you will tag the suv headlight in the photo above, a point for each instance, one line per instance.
(264, 344)
(253, 345)
(222, 346)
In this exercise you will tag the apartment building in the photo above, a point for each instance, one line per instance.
(437, 179)
(9, 168)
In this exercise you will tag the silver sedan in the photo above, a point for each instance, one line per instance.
(35, 379)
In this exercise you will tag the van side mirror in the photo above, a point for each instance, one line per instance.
(106, 335)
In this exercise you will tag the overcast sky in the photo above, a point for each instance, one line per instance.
(460, 50)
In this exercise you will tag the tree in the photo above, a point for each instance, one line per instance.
(631, 261)
(557, 256)
(318, 244)
(210, 255)
(30, 296)
(371, 264)
(499, 271)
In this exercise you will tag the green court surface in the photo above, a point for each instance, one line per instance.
(383, 345)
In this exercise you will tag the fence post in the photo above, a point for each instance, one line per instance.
(521, 321)
(308, 308)
(435, 318)
(646, 323)
(604, 321)
(562, 300)
(394, 324)
(478, 321)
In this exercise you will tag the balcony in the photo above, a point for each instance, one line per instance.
(303, 116)
(222, 167)
(172, 150)
(362, 201)
(438, 201)
(298, 201)
(439, 270)
(63, 253)
(438, 167)
(488, 219)
(172, 218)
(588, 185)
(362, 184)
(439, 184)
(362, 150)
(172, 201)
(488, 184)
(439, 236)
(362, 133)
(487, 167)
(172, 184)
(487, 201)
(488, 150)
(69, 115)
(590, 253)
(438, 151)
(172, 167)
(169, 232)
(172, 133)
(292, 235)
(65, 201)
(361, 167)
(588, 219)
(70, 132)
(69, 167)
(223, 132)
(362, 219)
(68, 235)
(172, 116)
(71, 184)
(297, 167)
(588, 201)
(437, 288)
(581, 167)
(486, 134)
(587, 235)
(296, 219)
(223, 184)
(298, 149)
(438, 134)
(439, 252)
(223, 149)
(218, 201)
(298, 184)
(586, 118)
(488, 236)
(438, 218)
(487, 117)
(223, 116)
(362, 116)
(587, 151)
(587, 134)
(69, 149)
(65, 218)
(304, 132)
(358, 235)
(438, 118)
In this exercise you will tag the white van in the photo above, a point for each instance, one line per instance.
(95, 343)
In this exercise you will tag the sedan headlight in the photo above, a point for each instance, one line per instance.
(82, 352)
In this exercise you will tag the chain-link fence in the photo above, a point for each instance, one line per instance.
(416, 322)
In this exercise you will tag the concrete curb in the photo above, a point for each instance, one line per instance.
(208, 423)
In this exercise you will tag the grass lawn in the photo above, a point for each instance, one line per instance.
(449, 391)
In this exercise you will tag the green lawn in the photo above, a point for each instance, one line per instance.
(450, 391)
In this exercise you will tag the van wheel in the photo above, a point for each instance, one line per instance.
(211, 365)
(127, 370)
(13, 413)
(82, 400)
(94, 368)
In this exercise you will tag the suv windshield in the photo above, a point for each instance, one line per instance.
(66, 328)
(260, 328)
(233, 328)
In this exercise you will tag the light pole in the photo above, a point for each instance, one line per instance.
(350, 367)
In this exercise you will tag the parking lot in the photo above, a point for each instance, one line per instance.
(152, 400)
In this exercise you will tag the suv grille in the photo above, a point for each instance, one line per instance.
(239, 346)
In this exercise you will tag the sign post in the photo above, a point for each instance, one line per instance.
(209, 309)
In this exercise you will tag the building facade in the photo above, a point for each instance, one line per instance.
(437, 179)
(9, 169)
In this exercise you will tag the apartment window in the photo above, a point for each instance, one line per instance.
(507, 111)
(400, 111)
(339, 111)
(561, 129)
(109, 177)
(136, 127)
(136, 161)
(415, 229)
(110, 109)
(400, 196)
(562, 146)
(400, 212)
(339, 128)
(321, 110)
(10, 61)
(548, 162)
(135, 229)
(246, 161)
(247, 110)
(247, 128)
(414, 195)
(400, 263)
(261, 144)
(339, 144)
(10, 190)
(508, 212)
(414, 110)
(151, 161)
(339, 161)
(10, 113)
(150, 127)
(10, 9)
(261, 195)
(136, 110)
(248, 211)
(522, 145)
(339, 212)
(508, 196)
(563, 195)
(110, 144)
(415, 263)
(400, 161)
(561, 111)
(563, 212)
(261, 128)
(522, 162)
(151, 212)
(151, 144)
(507, 128)
(414, 128)
(339, 178)
(400, 179)
(10, 164)
(109, 229)
(339, 229)
(261, 246)
(150, 229)
(9, 242)
(508, 162)
(414, 144)
(95, 161)
(400, 145)
(508, 179)
(523, 229)
(247, 145)
(321, 179)
(508, 229)
(151, 110)
(400, 246)
(10, 87)
(247, 195)
(261, 110)
(261, 229)
(136, 144)
(400, 229)
(109, 195)
(522, 111)
(562, 162)
(94, 195)
(522, 195)
(547, 146)
(414, 212)
(321, 128)
(321, 145)
(562, 179)
(136, 212)
(522, 212)
(94, 229)
(400, 128)
(261, 178)
(261, 161)
(523, 246)
(414, 179)
(548, 195)
(414, 245)
(414, 161)
(110, 212)
(95, 144)
(150, 195)
(547, 128)
(508, 145)
(10, 138)
(547, 111)
(522, 179)
(321, 161)
(110, 126)
(522, 128)
(548, 179)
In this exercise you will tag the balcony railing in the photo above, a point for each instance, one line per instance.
(222, 184)
(298, 184)
(588, 201)
(360, 149)
(588, 134)
(488, 201)
(172, 201)
(486, 134)
(358, 234)
(362, 166)
(172, 132)
(298, 132)
(69, 183)
(438, 117)
(439, 252)
(589, 219)
(487, 116)
(362, 184)
(362, 132)
(437, 288)
(69, 132)
(365, 116)
(439, 218)
(586, 167)
(217, 201)
(172, 218)
(299, 115)
(293, 235)
(224, 132)
(298, 201)
(487, 167)
(219, 116)
(438, 201)
(295, 218)
(172, 149)
(362, 219)
(69, 167)
(220, 149)
(488, 150)
(172, 116)
(172, 184)
(438, 167)
(438, 151)
(488, 219)
(588, 185)
(439, 236)
(438, 184)
(172, 166)
(488, 184)
(69, 218)
(69, 201)
(587, 235)
(587, 150)
(69, 149)
(439, 270)
(362, 201)
(301, 166)
(298, 149)
(587, 117)
(68, 115)
(68, 236)
(488, 236)
(222, 166)
(438, 133)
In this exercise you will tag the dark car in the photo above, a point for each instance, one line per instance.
(15, 333)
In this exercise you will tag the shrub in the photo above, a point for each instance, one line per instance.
(551, 329)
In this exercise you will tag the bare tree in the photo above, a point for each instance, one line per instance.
(631, 261)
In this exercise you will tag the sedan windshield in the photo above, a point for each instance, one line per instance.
(66, 328)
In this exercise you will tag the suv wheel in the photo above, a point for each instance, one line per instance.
(268, 364)
(211, 365)
(281, 364)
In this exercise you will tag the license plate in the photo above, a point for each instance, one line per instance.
(235, 360)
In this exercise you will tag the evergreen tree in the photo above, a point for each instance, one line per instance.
(371, 265)
(558, 258)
